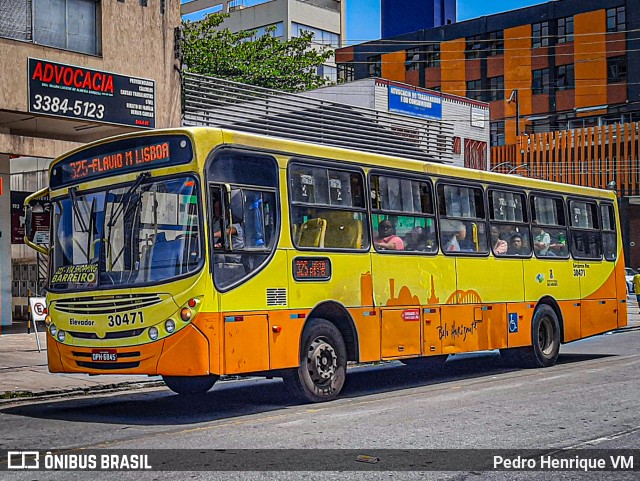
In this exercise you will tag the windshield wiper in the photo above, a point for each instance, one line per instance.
(125, 198)
(76, 209)
(115, 215)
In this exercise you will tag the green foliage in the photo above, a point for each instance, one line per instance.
(242, 57)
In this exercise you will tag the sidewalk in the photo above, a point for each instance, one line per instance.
(24, 373)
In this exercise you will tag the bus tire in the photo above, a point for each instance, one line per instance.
(323, 364)
(189, 385)
(545, 341)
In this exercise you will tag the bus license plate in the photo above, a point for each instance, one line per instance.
(104, 355)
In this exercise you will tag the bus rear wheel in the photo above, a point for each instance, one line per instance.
(323, 364)
(190, 385)
(545, 341)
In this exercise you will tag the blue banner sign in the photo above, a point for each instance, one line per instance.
(414, 103)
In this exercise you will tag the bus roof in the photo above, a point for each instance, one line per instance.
(310, 150)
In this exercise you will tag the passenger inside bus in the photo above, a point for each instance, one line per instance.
(499, 245)
(541, 242)
(387, 238)
(419, 239)
(236, 231)
(458, 233)
(558, 245)
(516, 248)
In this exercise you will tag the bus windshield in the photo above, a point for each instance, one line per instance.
(142, 232)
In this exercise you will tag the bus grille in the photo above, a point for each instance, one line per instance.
(108, 335)
(107, 304)
(276, 297)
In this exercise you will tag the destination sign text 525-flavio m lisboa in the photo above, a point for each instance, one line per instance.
(81, 93)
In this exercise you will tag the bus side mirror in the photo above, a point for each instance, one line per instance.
(28, 221)
(28, 215)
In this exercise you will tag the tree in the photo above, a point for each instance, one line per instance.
(264, 61)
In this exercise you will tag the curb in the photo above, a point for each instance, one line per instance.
(11, 397)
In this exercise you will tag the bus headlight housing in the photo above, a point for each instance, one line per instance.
(62, 336)
(153, 333)
(169, 325)
(53, 329)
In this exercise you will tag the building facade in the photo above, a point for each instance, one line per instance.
(562, 80)
(73, 71)
(325, 18)
(470, 118)
(398, 17)
(563, 64)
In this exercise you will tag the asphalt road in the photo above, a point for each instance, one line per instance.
(590, 399)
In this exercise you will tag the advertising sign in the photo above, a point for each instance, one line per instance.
(82, 93)
(40, 219)
(414, 103)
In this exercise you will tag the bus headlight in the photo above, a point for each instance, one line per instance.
(53, 329)
(170, 325)
(62, 336)
(153, 333)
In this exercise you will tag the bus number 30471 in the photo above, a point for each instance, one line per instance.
(126, 319)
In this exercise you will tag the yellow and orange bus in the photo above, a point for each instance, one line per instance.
(200, 252)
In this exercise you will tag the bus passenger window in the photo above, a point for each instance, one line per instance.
(609, 238)
(403, 215)
(328, 208)
(463, 228)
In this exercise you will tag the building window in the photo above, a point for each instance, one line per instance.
(540, 35)
(540, 84)
(375, 66)
(457, 146)
(616, 19)
(275, 30)
(496, 88)
(65, 24)
(346, 72)
(328, 72)
(432, 55)
(565, 79)
(565, 29)
(413, 59)
(496, 43)
(616, 69)
(474, 47)
(497, 133)
(474, 89)
(322, 37)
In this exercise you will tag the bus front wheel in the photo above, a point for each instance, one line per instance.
(323, 364)
(190, 384)
(545, 341)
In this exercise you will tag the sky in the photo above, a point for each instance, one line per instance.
(363, 16)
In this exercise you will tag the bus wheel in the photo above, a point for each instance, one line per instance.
(323, 364)
(545, 341)
(190, 384)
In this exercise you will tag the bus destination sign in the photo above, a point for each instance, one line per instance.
(116, 161)
(311, 269)
(81, 93)
(122, 156)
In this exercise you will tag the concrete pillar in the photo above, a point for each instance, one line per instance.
(6, 308)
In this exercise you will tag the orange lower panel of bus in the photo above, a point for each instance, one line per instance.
(186, 353)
